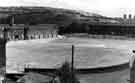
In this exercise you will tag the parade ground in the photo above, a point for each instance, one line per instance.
(89, 53)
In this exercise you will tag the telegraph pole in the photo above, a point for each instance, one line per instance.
(72, 63)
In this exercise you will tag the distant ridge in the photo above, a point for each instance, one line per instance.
(43, 15)
(26, 9)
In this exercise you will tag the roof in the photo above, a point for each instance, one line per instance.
(39, 26)
(43, 26)
(36, 77)
(112, 24)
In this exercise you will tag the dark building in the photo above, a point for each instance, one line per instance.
(113, 29)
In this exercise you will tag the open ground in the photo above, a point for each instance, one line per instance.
(89, 53)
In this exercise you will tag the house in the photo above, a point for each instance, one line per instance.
(42, 31)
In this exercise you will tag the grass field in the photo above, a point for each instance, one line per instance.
(88, 53)
(50, 55)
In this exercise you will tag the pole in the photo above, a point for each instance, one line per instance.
(72, 64)
(26, 33)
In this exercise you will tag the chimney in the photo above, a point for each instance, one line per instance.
(130, 16)
(11, 20)
(125, 16)
(134, 17)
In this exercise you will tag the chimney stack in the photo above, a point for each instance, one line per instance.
(130, 16)
(134, 17)
(11, 20)
(125, 16)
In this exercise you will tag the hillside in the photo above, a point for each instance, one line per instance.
(42, 15)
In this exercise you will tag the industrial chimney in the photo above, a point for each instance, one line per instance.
(11, 20)
(125, 16)
(130, 16)
(134, 17)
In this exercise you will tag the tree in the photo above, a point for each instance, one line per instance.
(66, 74)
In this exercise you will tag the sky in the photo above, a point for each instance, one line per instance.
(110, 8)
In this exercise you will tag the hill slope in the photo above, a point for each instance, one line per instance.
(41, 15)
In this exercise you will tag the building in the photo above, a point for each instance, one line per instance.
(20, 32)
(42, 31)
